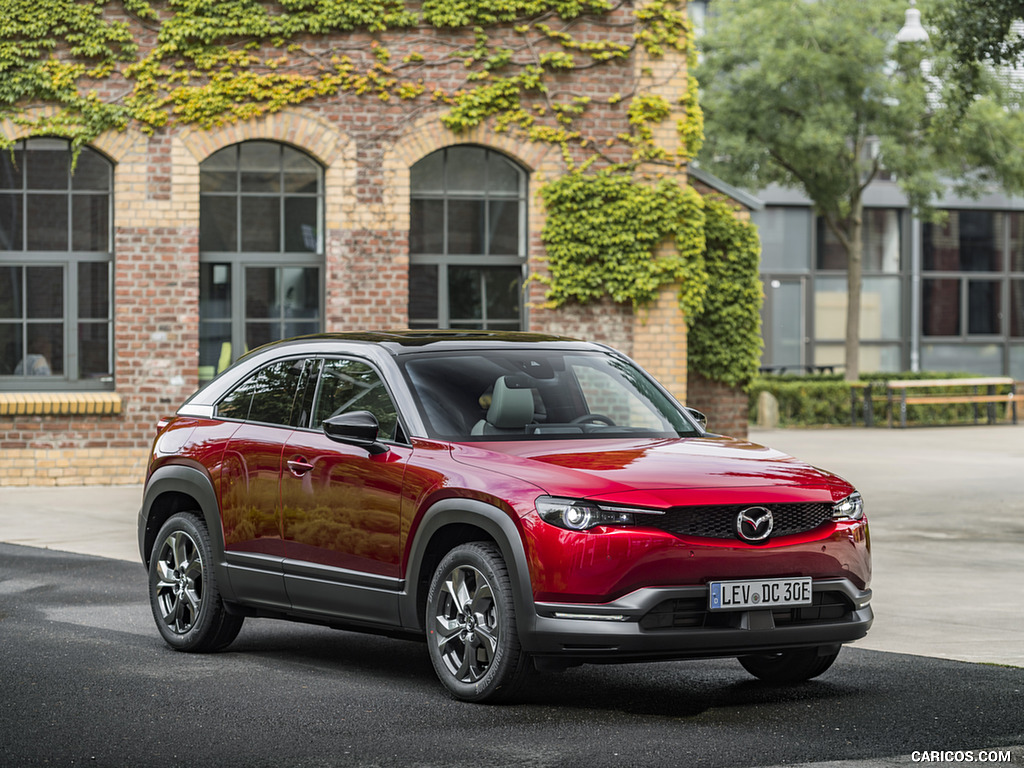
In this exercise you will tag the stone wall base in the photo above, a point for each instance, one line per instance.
(73, 466)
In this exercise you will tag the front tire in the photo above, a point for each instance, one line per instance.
(471, 625)
(183, 593)
(789, 667)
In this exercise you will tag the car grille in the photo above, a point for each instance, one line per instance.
(693, 613)
(719, 521)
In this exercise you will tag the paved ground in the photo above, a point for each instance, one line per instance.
(947, 520)
(946, 507)
(86, 680)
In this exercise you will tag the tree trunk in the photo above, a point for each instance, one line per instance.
(855, 269)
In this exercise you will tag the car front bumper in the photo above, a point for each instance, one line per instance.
(662, 623)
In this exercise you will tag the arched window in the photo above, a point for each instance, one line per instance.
(56, 302)
(467, 240)
(260, 250)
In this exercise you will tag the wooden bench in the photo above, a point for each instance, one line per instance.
(862, 397)
(978, 397)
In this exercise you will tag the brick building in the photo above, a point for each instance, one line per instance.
(165, 255)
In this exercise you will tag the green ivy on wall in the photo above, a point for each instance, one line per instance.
(602, 233)
(215, 62)
(32, 74)
(210, 63)
(724, 341)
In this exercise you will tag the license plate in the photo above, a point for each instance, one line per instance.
(758, 593)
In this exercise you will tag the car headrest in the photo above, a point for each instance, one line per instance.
(511, 405)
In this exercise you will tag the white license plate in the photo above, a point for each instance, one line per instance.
(758, 593)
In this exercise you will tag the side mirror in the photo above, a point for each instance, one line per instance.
(699, 417)
(359, 428)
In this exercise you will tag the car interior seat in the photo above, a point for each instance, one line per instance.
(510, 411)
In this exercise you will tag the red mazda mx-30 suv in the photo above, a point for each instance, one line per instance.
(519, 501)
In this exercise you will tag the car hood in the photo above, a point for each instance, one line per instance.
(657, 473)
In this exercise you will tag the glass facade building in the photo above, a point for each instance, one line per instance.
(937, 296)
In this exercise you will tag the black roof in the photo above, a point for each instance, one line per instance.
(397, 341)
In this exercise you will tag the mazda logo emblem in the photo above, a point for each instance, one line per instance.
(754, 524)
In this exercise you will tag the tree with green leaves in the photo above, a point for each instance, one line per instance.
(821, 97)
(980, 32)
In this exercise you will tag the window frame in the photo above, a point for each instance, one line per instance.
(69, 261)
(239, 261)
(444, 260)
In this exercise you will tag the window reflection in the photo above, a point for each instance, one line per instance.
(253, 193)
(881, 243)
(941, 306)
(270, 396)
(967, 241)
(350, 385)
(1017, 309)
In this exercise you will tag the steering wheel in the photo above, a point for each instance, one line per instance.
(593, 417)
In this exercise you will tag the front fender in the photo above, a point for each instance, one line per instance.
(498, 525)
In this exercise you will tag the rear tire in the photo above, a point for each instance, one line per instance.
(789, 667)
(183, 593)
(471, 625)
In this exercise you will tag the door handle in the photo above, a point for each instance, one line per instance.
(299, 467)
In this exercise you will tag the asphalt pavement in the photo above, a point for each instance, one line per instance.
(945, 504)
(87, 680)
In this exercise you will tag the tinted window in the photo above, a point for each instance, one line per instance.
(273, 395)
(967, 241)
(351, 385)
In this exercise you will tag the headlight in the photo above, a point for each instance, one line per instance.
(850, 508)
(579, 515)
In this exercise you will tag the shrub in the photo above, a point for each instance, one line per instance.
(804, 401)
(826, 399)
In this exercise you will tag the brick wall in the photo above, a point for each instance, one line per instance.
(366, 147)
(659, 341)
(725, 407)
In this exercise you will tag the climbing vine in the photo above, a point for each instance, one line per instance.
(79, 68)
(601, 234)
(209, 62)
(602, 230)
(724, 341)
(32, 33)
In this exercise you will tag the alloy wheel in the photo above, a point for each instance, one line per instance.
(467, 624)
(179, 585)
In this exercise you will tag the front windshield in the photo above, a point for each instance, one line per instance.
(535, 394)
